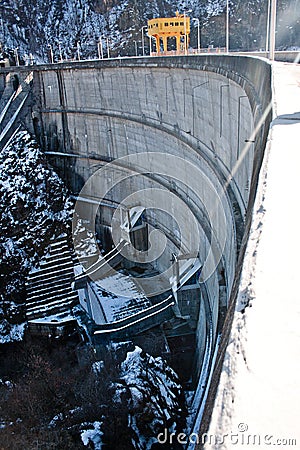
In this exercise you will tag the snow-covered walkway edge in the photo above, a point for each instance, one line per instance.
(257, 403)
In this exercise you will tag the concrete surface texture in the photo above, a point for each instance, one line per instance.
(184, 137)
(257, 405)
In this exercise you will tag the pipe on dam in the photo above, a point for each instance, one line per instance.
(182, 136)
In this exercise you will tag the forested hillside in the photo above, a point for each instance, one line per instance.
(74, 27)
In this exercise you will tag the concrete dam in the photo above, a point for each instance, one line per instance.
(163, 155)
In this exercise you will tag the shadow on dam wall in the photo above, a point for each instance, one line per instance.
(202, 123)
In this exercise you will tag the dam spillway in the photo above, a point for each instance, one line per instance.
(201, 125)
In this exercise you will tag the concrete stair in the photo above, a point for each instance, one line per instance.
(49, 291)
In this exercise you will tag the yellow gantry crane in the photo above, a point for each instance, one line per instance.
(167, 27)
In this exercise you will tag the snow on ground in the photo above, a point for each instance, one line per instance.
(93, 435)
(55, 318)
(14, 333)
(112, 298)
(258, 398)
(121, 306)
(120, 284)
(154, 388)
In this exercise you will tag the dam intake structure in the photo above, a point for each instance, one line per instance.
(180, 140)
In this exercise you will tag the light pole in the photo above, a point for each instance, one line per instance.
(198, 26)
(17, 56)
(60, 53)
(51, 53)
(78, 51)
(268, 27)
(107, 46)
(100, 48)
(227, 26)
(135, 46)
(272, 29)
(185, 37)
(143, 40)
(184, 23)
(150, 44)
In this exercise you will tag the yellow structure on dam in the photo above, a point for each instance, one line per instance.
(167, 27)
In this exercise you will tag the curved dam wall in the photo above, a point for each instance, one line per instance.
(200, 124)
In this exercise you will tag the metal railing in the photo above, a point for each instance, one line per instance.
(136, 318)
(191, 51)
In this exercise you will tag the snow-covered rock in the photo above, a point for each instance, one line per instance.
(148, 390)
(93, 434)
(34, 205)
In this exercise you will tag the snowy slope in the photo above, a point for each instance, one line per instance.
(34, 205)
(71, 25)
(147, 397)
